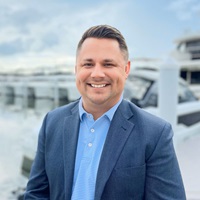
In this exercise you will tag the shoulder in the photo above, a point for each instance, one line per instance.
(134, 113)
(146, 124)
(148, 129)
(64, 110)
(55, 119)
(58, 114)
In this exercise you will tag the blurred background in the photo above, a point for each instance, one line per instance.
(38, 41)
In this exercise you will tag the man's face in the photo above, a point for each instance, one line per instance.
(101, 71)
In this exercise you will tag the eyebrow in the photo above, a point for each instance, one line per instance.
(108, 60)
(88, 59)
(91, 60)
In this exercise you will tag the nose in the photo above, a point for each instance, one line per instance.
(97, 72)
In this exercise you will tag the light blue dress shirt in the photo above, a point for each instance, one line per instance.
(92, 135)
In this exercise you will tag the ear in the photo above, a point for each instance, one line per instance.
(75, 69)
(127, 68)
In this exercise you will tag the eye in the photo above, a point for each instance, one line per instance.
(88, 65)
(108, 64)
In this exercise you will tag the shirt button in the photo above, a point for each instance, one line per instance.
(89, 116)
(92, 130)
(90, 144)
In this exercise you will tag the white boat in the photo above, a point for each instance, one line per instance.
(187, 53)
(19, 90)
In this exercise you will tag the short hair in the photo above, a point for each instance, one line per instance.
(105, 31)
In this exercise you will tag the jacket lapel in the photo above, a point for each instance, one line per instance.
(118, 134)
(70, 138)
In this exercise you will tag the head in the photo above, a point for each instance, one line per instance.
(106, 32)
(102, 67)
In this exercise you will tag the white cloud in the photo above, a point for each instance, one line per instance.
(185, 9)
(31, 29)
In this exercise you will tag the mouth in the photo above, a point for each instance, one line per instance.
(97, 85)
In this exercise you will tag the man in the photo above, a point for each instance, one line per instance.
(102, 147)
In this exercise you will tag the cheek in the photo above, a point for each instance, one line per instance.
(79, 76)
(81, 80)
(121, 77)
(121, 82)
(82, 75)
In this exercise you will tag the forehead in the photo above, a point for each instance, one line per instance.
(99, 45)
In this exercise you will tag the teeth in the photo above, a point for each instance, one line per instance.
(98, 86)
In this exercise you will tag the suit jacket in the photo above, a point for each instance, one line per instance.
(138, 160)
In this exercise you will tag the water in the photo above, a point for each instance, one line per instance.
(188, 153)
(18, 133)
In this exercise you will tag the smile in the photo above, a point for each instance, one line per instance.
(98, 86)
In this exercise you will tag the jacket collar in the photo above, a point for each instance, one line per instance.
(70, 140)
(118, 133)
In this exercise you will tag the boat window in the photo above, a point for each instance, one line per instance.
(195, 55)
(184, 74)
(185, 95)
(139, 87)
(181, 47)
(195, 77)
(194, 43)
(153, 100)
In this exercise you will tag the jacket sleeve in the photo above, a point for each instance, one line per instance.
(163, 178)
(38, 186)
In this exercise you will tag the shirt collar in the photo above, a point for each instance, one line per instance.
(110, 113)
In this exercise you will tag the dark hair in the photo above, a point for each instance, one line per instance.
(105, 31)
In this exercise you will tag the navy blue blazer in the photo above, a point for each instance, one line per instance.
(138, 159)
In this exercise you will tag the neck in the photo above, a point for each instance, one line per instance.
(97, 110)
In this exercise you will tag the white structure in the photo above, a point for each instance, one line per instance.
(168, 91)
(168, 107)
(17, 90)
(187, 53)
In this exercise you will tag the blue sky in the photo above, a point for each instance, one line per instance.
(35, 33)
